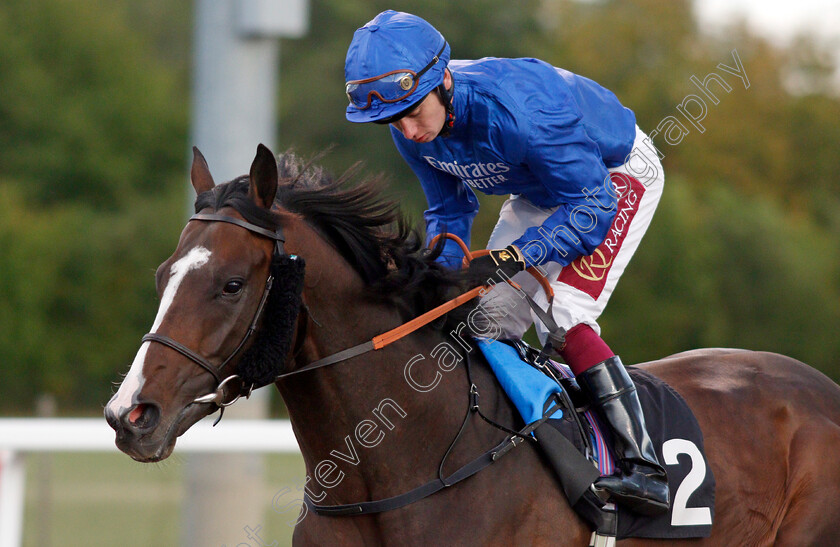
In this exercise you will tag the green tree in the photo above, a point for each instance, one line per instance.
(718, 270)
(78, 291)
(87, 115)
(93, 122)
(92, 128)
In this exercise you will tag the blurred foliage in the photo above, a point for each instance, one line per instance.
(80, 125)
(719, 270)
(744, 250)
(92, 136)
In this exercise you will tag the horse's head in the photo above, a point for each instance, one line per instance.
(213, 290)
(224, 328)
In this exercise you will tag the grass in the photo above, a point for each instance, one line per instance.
(97, 499)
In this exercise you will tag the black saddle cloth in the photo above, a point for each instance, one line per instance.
(678, 442)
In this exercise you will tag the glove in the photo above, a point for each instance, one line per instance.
(509, 261)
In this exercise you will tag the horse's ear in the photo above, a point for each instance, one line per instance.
(200, 175)
(263, 178)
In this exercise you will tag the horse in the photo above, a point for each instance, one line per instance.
(377, 423)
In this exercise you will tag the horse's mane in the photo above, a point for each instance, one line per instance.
(365, 227)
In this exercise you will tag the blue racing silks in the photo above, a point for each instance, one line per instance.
(525, 127)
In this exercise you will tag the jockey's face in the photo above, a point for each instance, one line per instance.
(426, 121)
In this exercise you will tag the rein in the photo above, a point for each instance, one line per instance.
(384, 339)
(217, 396)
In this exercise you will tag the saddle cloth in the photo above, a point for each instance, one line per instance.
(674, 430)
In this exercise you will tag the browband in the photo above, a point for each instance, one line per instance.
(247, 225)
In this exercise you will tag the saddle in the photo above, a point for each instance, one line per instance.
(572, 441)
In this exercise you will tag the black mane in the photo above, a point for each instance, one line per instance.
(364, 226)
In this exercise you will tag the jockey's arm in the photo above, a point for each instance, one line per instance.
(570, 166)
(452, 206)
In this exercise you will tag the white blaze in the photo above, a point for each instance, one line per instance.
(134, 380)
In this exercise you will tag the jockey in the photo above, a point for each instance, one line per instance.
(583, 181)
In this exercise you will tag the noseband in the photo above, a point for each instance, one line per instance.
(217, 396)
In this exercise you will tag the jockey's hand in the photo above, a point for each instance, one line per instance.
(509, 261)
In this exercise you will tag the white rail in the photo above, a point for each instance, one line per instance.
(19, 436)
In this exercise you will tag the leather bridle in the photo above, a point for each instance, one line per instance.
(217, 396)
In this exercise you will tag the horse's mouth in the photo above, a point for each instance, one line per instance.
(155, 446)
(138, 451)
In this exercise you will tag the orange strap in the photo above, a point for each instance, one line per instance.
(386, 338)
(407, 328)
(468, 256)
(382, 340)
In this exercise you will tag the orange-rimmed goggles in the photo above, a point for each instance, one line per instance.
(390, 87)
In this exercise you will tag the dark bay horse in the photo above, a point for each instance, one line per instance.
(379, 423)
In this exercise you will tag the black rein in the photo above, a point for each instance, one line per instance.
(368, 507)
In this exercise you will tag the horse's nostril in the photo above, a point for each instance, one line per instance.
(143, 416)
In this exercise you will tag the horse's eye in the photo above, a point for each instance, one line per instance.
(232, 287)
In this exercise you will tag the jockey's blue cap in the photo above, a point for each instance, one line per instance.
(391, 43)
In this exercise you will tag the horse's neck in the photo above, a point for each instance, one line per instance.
(384, 419)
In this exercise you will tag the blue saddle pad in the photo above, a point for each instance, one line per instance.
(527, 387)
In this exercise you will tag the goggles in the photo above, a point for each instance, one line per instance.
(390, 87)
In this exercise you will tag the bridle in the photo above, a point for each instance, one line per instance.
(217, 396)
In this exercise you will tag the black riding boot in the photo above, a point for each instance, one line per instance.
(642, 484)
